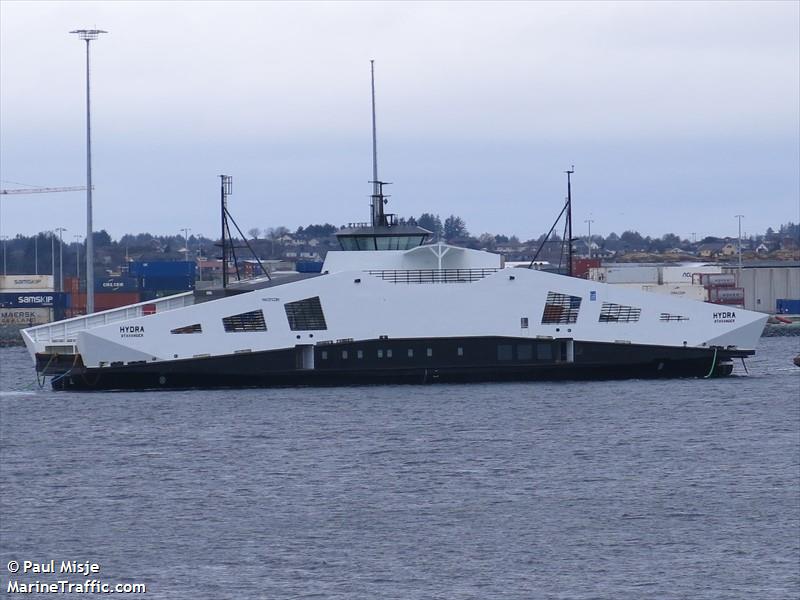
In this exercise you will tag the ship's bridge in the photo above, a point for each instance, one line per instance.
(364, 236)
(428, 257)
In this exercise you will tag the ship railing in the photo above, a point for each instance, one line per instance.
(433, 275)
(67, 330)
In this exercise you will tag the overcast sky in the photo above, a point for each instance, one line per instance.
(677, 116)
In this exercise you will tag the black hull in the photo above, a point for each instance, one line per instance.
(404, 361)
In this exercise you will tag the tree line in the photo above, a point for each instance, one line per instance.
(40, 253)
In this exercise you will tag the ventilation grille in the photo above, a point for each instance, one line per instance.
(619, 313)
(670, 317)
(249, 321)
(196, 328)
(305, 315)
(561, 309)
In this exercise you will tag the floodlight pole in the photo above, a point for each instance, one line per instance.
(186, 231)
(60, 230)
(78, 259)
(590, 221)
(53, 255)
(88, 35)
(740, 217)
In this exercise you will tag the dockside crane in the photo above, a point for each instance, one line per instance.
(45, 190)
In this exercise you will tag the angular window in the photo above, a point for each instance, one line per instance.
(460, 351)
(344, 354)
(196, 328)
(560, 309)
(671, 317)
(619, 313)
(249, 321)
(504, 352)
(523, 322)
(544, 352)
(305, 315)
(380, 353)
(324, 355)
(430, 352)
(410, 353)
(388, 354)
(524, 352)
(360, 354)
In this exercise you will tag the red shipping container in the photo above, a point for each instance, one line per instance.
(104, 301)
(581, 266)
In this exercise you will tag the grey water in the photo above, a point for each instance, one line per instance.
(685, 488)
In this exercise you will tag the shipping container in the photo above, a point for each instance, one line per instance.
(102, 301)
(679, 290)
(153, 294)
(116, 284)
(182, 283)
(580, 266)
(685, 273)
(717, 279)
(32, 299)
(25, 317)
(162, 268)
(26, 282)
(627, 274)
(726, 295)
(308, 266)
(788, 306)
(72, 285)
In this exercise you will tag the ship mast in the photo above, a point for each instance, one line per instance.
(569, 220)
(378, 199)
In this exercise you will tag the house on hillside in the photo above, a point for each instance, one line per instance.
(717, 249)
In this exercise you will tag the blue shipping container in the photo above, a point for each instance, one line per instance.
(116, 284)
(788, 307)
(167, 283)
(32, 300)
(308, 266)
(162, 268)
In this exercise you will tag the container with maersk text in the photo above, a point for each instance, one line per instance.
(25, 317)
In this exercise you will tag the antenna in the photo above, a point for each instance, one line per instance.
(227, 242)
